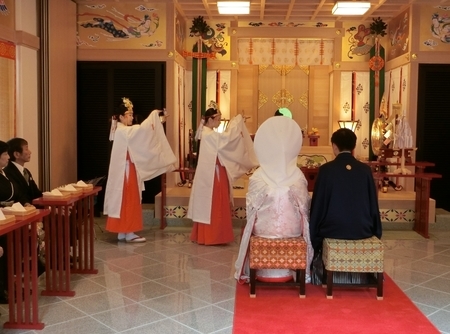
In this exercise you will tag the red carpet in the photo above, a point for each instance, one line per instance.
(280, 310)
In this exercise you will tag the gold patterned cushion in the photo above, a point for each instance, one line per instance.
(283, 253)
(364, 255)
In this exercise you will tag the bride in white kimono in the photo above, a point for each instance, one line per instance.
(277, 200)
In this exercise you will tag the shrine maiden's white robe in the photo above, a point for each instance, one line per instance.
(277, 199)
(149, 151)
(234, 149)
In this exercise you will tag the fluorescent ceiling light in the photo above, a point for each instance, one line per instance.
(233, 7)
(350, 7)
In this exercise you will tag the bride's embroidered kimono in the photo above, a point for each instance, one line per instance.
(277, 200)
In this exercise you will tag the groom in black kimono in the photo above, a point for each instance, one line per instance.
(344, 202)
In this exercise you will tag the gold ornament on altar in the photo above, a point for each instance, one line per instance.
(313, 132)
(379, 128)
(377, 134)
(262, 68)
(283, 70)
(304, 68)
(304, 100)
(283, 98)
(313, 136)
(262, 99)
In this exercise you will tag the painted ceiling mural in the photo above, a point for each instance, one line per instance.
(122, 26)
(289, 24)
(358, 42)
(7, 13)
(435, 28)
(398, 36)
(180, 33)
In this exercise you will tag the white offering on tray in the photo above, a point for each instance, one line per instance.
(54, 192)
(83, 186)
(17, 207)
(68, 187)
(5, 219)
(19, 210)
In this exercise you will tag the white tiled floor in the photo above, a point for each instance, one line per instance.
(170, 285)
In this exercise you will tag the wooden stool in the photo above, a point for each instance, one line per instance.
(284, 253)
(359, 256)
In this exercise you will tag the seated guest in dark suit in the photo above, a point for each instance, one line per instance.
(344, 202)
(7, 197)
(25, 187)
(19, 154)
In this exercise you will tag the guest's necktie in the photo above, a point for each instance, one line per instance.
(26, 175)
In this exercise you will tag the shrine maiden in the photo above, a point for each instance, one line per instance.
(277, 199)
(223, 158)
(139, 153)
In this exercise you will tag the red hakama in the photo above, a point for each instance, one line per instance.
(131, 210)
(220, 229)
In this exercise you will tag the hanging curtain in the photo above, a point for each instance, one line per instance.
(398, 87)
(7, 90)
(218, 92)
(224, 94)
(394, 89)
(285, 51)
(211, 90)
(404, 89)
(355, 93)
(361, 103)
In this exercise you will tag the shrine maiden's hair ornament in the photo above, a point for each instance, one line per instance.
(210, 113)
(127, 103)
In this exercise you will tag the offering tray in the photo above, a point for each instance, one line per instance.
(71, 192)
(65, 196)
(29, 210)
(86, 188)
(8, 219)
